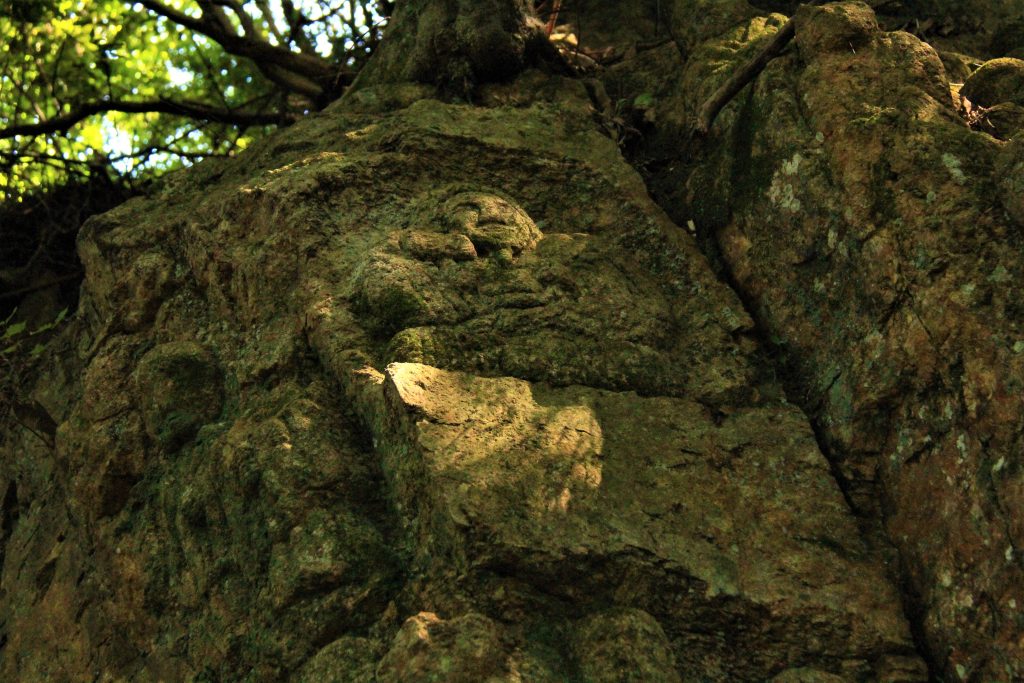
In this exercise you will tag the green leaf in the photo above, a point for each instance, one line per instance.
(16, 328)
(643, 101)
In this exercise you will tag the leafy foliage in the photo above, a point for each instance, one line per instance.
(139, 88)
(14, 334)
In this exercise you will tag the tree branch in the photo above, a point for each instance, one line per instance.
(308, 72)
(197, 25)
(249, 27)
(217, 17)
(62, 123)
(289, 80)
(296, 20)
(748, 72)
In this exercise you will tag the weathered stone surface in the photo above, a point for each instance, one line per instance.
(624, 645)
(959, 66)
(1005, 120)
(695, 21)
(459, 402)
(462, 650)
(1010, 172)
(346, 660)
(804, 675)
(637, 499)
(836, 28)
(856, 213)
(180, 388)
(433, 246)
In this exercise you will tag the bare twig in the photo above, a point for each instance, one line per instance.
(556, 6)
(195, 110)
(45, 284)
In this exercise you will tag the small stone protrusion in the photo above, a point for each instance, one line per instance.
(836, 27)
(180, 386)
(995, 82)
(466, 649)
(435, 246)
(623, 644)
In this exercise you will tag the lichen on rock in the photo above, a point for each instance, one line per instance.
(876, 238)
(180, 388)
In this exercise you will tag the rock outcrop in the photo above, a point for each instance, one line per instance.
(422, 391)
(876, 240)
(419, 391)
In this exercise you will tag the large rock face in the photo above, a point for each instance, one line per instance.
(877, 241)
(418, 392)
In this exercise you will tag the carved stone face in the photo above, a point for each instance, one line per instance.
(420, 276)
(492, 223)
(470, 282)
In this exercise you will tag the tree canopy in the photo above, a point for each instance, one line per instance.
(134, 88)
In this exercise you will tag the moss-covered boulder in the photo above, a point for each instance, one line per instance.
(624, 645)
(959, 67)
(1010, 174)
(1005, 120)
(838, 27)
(428, 649)
(996, 82)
